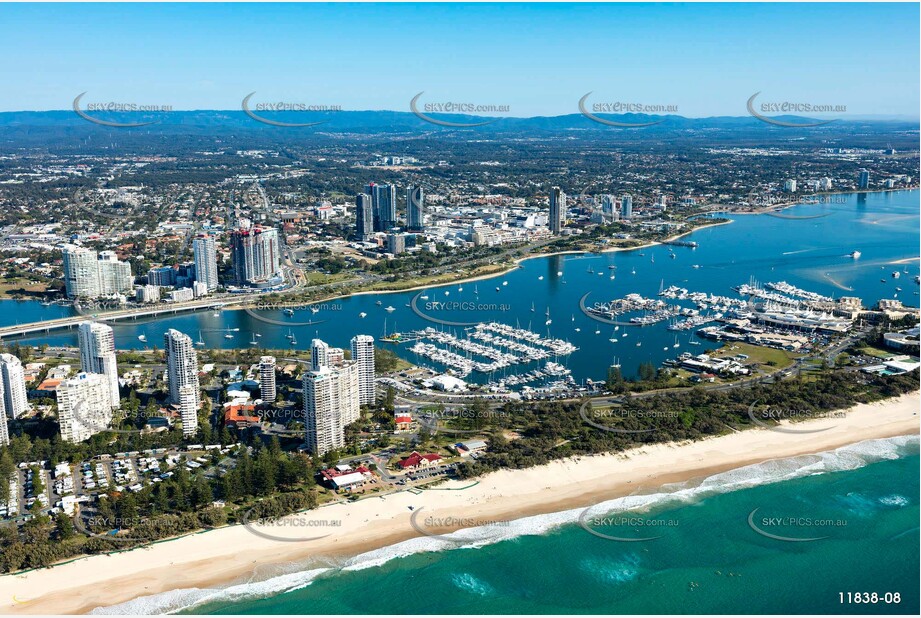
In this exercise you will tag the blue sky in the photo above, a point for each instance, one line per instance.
(538, 59)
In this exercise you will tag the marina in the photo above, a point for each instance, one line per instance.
(488, 348)
(751, 249)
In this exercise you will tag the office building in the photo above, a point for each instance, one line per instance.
(363, 355)
(415, 209)
(204, 250)
(256, 256)
(557, 210)
(789, 186)
(863, 179)
(267, 379)
(182, 377)
(396, 243)
(626, 206)
(13, 401)
(364, 216)
(84, 407)
(97, 355)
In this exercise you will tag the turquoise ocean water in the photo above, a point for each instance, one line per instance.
(860, 501)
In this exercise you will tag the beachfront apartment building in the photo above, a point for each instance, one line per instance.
(97, 354)
(331, 401)
(84, 407)
(182, 377)
(13, 401)
(363, 355)
(4, 427)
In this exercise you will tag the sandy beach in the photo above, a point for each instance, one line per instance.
(230, 554)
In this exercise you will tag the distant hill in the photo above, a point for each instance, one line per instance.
(203, 121)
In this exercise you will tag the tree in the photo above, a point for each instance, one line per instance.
(64, 526)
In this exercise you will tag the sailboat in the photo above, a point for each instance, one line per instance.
(200, 341)
(228, 334)
(616, 363)
(677, 345)
(633, 272)
(460, 288)
(532, 307)
(613, 339)
(293, 340)
(549, 321)
(142, 338)
(253, 340)
(590, 269)
(597, 331)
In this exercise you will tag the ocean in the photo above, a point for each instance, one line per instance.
(736, 542)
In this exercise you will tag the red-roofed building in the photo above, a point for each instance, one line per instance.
(403, 422)
(240, 416)
(343, 477)
(416, 461)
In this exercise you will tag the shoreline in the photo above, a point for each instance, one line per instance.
(514, 265)
(231, 554)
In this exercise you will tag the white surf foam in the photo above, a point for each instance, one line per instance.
(848, 457)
